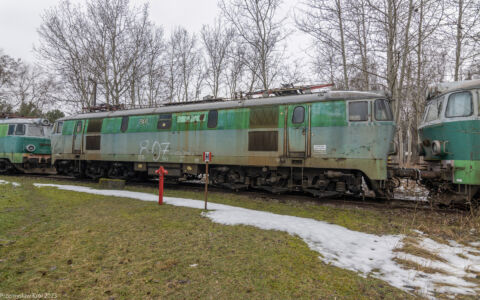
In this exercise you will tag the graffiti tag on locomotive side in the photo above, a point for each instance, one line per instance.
(156, 148)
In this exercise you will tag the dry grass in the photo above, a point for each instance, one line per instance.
(84, 246)
(130, 249)
(414, 249)
(408, 264)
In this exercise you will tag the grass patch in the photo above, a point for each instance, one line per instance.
(414, 249)
(408, 264)
(88, 246)
(439, 226)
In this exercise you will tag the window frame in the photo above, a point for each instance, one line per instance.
(58, 124)
(472, 108)
(11, 127)
(389, 109)
(162, 118)
(209, 125)
(75, 129)
(124, 124)
(436, 103)
(368, 112)
(40, 127)
(425, 113)
(24, 129)
(293, 115)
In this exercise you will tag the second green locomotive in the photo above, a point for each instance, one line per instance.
(25, 145)
(450, 142)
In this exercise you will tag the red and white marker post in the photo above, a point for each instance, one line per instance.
(207, 157)
(161, 174)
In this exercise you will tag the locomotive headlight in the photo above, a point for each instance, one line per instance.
(30, 148)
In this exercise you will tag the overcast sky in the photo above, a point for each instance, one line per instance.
(19, 20)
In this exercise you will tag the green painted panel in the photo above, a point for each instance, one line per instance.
(68, 127)
(466, 172)
(297, 130)
(3, 130)
(233, 119)
(111, 125)
(146, 123)
(323, 114)
(328, 114)
(463, 139)
(195, 120)
(17, 144)
(15, 158)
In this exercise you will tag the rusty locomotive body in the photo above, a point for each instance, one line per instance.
(322, 143)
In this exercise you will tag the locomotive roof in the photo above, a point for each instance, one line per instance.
(292, 99)
(21, 121)
(447, 87)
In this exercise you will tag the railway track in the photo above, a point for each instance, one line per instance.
(299, 197)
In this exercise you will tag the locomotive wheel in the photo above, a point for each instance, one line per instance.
(5, 167)
(117, 172)
(95, 171)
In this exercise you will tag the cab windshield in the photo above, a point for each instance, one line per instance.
(35, 130)
(382, 110)
(433, 110)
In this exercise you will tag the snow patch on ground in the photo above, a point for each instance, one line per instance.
(15, 184)
(364, 253)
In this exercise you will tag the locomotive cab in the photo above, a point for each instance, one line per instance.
(25, 145)
(449, 139)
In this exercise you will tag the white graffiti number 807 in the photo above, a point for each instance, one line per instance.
(157, 149)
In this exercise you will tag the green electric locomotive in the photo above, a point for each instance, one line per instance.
(322, 143)
(25, 145)
(450, 141)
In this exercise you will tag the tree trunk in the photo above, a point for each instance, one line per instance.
(458, 50)
(342, 41)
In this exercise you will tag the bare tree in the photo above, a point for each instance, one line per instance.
(184, 59)
(465, 21)
(61, 33)
(153, 87)
(324, 21)
(216, 41)
(359, 32)
(235, 69)
(261, 31)
(100, 46)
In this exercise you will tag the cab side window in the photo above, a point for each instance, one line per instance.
(459, 105)
(212, 119)
(20, 129)
(59, 128)
(382, 110)
(79, 127)
(124, 125)
(298, 115)
(434, 110)
(11, 129)
(358, 111)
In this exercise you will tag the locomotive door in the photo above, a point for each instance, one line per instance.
(297, 130)
(77, 140)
